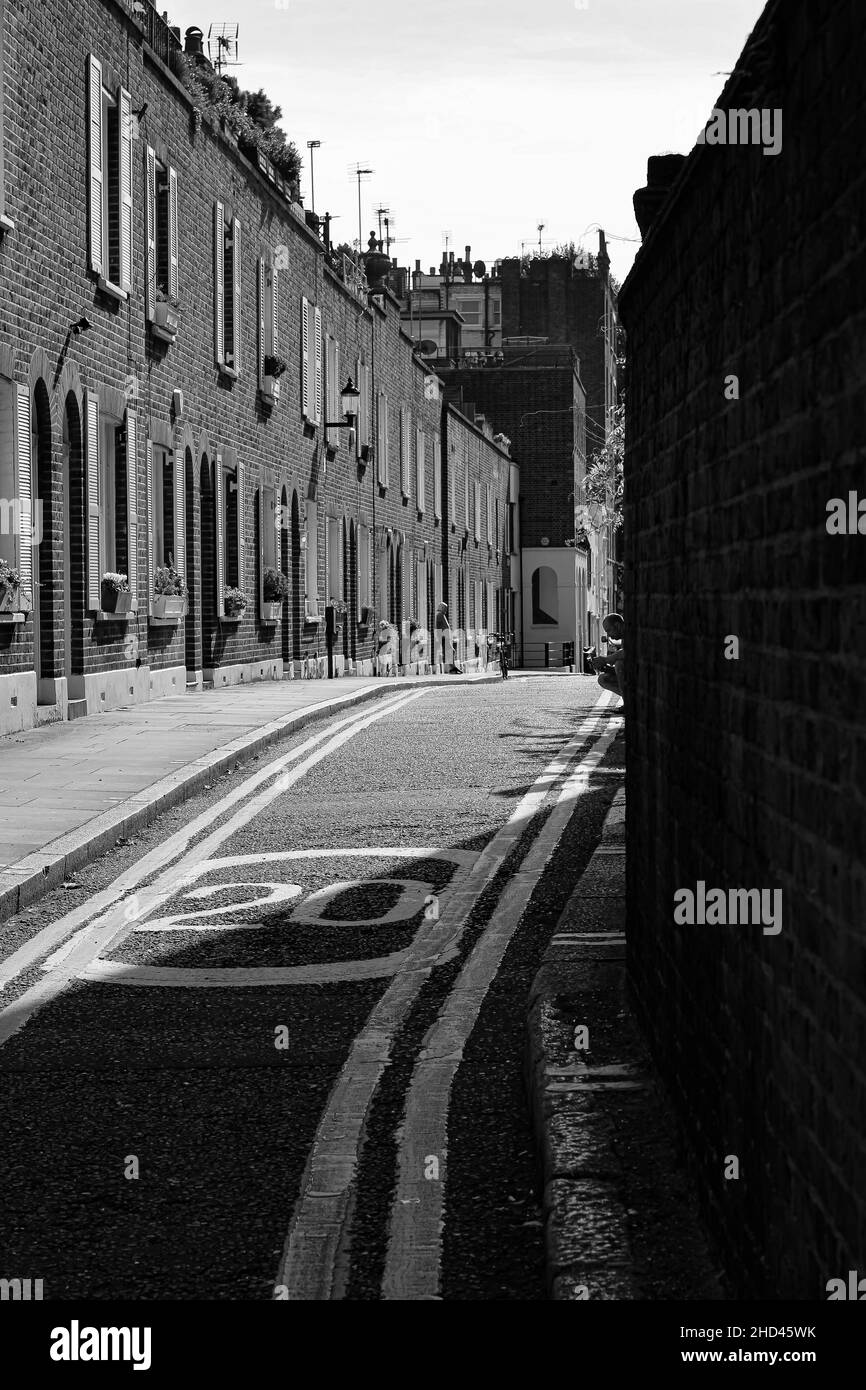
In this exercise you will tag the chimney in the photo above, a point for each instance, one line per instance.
(467, 266)
(193, 42)
(661, 174)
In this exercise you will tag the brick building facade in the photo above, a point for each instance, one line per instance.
(746, 656)
(149, 439)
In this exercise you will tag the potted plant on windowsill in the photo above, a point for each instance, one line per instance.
(169, 593)
(10, 583)
(272, 369)
(275, 586)
(166, 319)
(116, 593)
(335, 616)
(234, 604)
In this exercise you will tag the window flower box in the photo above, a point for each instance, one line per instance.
(170, 607)
(234, 604)
(270, 612)
(169, 603)
(116, 596)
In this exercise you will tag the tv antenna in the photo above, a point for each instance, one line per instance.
(222, 46)
(359, 171)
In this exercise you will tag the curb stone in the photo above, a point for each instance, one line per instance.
(24, 883)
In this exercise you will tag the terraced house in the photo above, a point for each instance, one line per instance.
(188, 493)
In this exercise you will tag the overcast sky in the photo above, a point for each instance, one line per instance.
(485, 119)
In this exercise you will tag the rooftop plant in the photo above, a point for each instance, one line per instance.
(249, 115)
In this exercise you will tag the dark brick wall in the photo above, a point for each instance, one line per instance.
(751, 772)
(45, 284)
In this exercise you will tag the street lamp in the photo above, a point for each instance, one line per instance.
(349, 397)
(312, 145)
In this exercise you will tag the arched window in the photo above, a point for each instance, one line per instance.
(545, 598)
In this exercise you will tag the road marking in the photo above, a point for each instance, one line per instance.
(314, 1265)
(169, 850)
(412, 1264)
(108, 930)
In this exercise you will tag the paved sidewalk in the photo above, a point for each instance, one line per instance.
(68, 791)
(620, 1217)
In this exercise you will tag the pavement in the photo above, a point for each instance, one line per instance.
(620, 1217)
(70, 791)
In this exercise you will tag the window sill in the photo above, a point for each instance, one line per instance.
(231, 619)
(164, 334)
(163, 622)
(6, 224)
(227, 371)
(112, 290)
(311, 621)
(103, 616)
(7, 619)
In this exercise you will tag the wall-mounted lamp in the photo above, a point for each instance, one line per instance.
(141, 112)
(349, 397)
(81, 325)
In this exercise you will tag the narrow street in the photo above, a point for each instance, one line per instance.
(276, 1049)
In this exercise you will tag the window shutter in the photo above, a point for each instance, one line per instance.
(94, 585)
(317, 330)
(452, 491)
(275, 310)
(236, 299)
(305, 358)
(382, 439)
(180, 513)
(132, 505)
(219, 283)
(404, 450)
(219, 493)
(261, 508)
(151, 520)
(173, 236)
(95, 159)
(337, 411)
(150, 230)
(359, 430)
(477, 524)
(420, 469)
(24, 485)
(260, 336)
(489, 523)
(437, 478)
(124, 103)
(241, 519)
(466, 496)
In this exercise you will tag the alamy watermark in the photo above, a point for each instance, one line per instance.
(19, 516)
(744, 127)
(729, 907)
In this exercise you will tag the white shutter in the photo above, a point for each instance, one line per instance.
(241, 522)
(151, 520)
(132, 505)
(477, 522)
(124, 103)
(173, 236)
(305, 358)
(275, 311)
(24, 484)
(96, 164)
(219, 495)
(219, 283)
(94, 578)
(466, 496)
(150, 232)
(488, 500)
(382, 439)
(437, 478)
(404, 450)
(452, 489)
(180, 512)
(260, 497)
(260, 335)
(236, 295)
(420, 469)
(317, 329)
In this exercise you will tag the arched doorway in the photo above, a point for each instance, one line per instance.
(297, 585)
(44, 523)
(74, 596)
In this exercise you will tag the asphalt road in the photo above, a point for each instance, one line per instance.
(288, 1061)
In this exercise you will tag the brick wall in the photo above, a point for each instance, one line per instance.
(751, 772)
(45, 284)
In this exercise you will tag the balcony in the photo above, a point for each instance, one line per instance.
(159, 34)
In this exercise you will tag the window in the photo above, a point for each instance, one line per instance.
(382, 443)
(545, 598)
(488, 509)
(511, 518)
(269, 535)
(496, 533)
(332, 390)
(6, 225)
(162, 235)
(365, 576)
(477, 527)
(311, 362)
(109, 187)
(112, 527)
(420, 469)
(453, 485)
(495, 312)
(165, 500)
(230, 525)
(16, 453)
(420, 614)
(334, 559)
(466, 511)
(362, 381)
(227, 291)
(405, 426)
(437, 478)
(311, 562)
(470, 308)
(268, 331)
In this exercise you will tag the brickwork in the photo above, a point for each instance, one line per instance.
(750, 772)
(46, 284)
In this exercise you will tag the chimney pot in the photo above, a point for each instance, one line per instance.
(193, 41)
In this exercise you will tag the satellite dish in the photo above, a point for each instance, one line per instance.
(428, 348)
(479, 269)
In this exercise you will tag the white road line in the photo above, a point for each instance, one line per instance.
(315, 1258)
(107, 931)
(414, 1246)
(166, 852)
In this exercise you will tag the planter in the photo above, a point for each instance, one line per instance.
(168, 606)
(270, 611)
(166, 321)
(8, 602)
(113, 602)
(271, 387)
(233, 615)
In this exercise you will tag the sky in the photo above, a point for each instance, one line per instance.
(483, 120)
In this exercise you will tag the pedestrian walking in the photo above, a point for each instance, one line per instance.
(611, 668)
(447, 639)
